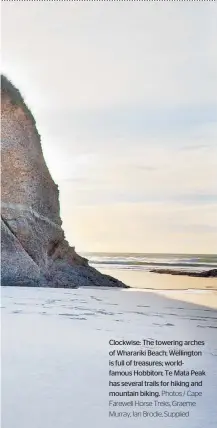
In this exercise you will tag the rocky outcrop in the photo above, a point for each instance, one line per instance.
(203, 274)
(34, 251)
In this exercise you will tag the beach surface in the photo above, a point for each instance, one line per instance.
(55, 351)
(201, 291)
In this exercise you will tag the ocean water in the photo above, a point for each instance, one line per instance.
(148, 261)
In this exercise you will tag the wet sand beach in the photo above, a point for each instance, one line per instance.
(55, 345)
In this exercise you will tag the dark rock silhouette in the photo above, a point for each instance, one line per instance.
(204, 274)
(34, 249)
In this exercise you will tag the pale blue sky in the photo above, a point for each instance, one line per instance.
(125, 98)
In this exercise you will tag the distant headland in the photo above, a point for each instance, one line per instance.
(202, 274)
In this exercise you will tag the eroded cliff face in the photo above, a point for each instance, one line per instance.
(34, 250)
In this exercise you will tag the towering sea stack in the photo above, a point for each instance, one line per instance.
(34, 251)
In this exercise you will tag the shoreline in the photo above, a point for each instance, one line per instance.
(201, 297)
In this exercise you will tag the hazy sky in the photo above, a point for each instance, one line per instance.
(125, 99)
